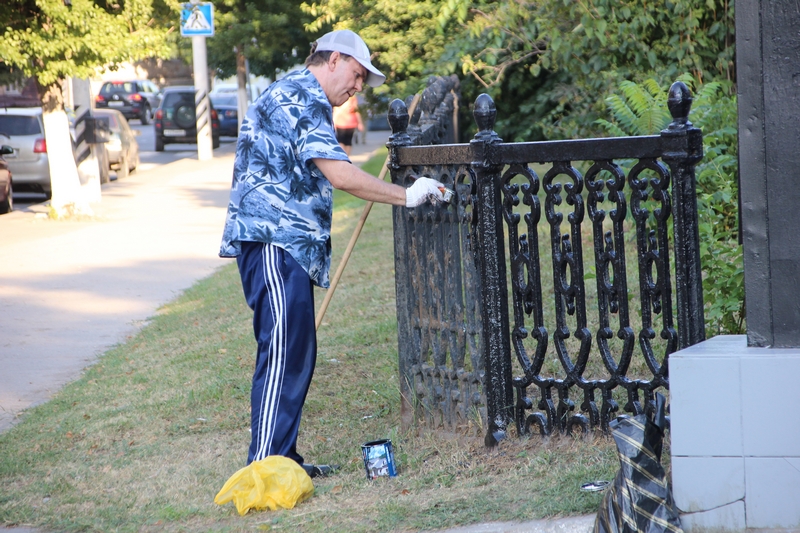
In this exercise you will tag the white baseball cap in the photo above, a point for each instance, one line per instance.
(348, 42)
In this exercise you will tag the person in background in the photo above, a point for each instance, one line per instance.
(346, 120)
(278, 225)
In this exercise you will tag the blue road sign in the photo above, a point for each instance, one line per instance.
(197, 20)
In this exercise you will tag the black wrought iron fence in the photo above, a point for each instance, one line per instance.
(600, 233)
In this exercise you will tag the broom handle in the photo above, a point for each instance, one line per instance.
(356, 233)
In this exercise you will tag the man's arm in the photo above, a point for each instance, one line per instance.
(348, 177)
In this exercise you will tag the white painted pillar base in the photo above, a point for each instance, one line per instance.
(735, 436)
(89, 176)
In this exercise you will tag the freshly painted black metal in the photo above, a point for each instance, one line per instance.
(684, 149)
(488, 236)
(455, 274)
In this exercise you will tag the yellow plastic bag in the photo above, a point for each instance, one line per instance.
(270, 483)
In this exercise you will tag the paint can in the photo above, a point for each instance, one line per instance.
(379, 459)
(447, 194)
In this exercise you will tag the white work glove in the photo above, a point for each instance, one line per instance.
(424, 189)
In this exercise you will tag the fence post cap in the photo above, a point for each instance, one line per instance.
(485, 112)
(398, 116)
(679, 103)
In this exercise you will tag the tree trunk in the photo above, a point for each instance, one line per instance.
(67, 197)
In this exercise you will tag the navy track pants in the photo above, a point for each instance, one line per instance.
(281, 295)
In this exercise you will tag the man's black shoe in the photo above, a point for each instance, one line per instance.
(320, 470)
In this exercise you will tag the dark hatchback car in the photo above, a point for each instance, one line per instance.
(6, 183)
(228, 110)
(176, 121)
(134, 99)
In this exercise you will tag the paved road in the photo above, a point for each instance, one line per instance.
(149, 159)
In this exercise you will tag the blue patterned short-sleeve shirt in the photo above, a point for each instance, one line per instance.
(278, 195)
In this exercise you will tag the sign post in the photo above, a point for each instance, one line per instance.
(197, 22)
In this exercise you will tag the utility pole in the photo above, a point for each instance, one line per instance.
(197, 22)
(202, 105)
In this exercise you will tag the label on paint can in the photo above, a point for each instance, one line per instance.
(379, 459)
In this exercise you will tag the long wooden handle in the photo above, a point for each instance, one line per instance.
(356, 233)
(343, 262)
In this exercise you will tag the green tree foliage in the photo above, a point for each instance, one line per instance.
(596, 43)
(51, 41)
(404, 37)
(271, 33)
(641, 109)
(551, 62)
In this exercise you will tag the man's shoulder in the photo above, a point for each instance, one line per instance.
(291, 98)
(296, 83)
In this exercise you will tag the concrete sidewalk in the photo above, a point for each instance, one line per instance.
(71, 290)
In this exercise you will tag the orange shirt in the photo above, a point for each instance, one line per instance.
(346, 115)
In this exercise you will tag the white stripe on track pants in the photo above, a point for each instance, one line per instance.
(281, 295)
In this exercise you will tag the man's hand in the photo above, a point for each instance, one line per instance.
(422, 190)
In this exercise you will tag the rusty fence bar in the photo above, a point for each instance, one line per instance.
(514, 300)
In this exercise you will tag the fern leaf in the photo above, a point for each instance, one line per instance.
(622, 113)
(611, 128)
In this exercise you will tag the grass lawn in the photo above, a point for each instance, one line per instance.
(147, 436)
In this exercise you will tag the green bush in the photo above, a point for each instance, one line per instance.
(642, 110)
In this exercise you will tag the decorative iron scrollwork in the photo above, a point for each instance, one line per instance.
(465, 294)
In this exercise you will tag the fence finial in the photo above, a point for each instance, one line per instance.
(398, 116)
(679, 103)
(398, 121)
(485, 114)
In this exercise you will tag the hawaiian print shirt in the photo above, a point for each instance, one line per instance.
(278, 195)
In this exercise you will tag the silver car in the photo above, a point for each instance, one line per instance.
(28, 163)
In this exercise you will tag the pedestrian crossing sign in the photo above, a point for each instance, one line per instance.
(197, 20)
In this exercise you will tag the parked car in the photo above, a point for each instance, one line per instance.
(6, 182)
(134, 99)
(175, 120)
(228, 111)
(123, 148)
(232, 89)
(28, 162)
(227, 89)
